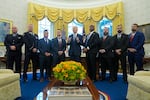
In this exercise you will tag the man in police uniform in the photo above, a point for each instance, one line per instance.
(31, 44)
(13, 43)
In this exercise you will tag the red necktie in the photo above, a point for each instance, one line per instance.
(131, 38)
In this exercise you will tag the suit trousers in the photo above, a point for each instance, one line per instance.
(34, 57)
(107, 62)
(45, 63)
(91, 65)
(57, 59)
(14, 58)
(135, 59)
(122, 59)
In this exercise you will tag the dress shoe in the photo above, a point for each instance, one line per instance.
(35, 78)
(48, 78)
(102, 79)
(41, 79)
(25, 80)
(110, 80)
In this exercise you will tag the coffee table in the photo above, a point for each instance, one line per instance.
(96, 95)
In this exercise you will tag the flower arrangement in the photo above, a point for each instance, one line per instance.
(69, 71)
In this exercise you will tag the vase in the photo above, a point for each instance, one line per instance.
(70, 82)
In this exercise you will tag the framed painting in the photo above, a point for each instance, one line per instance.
(146, 30)
(5, 28)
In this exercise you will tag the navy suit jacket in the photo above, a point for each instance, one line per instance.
(55, 46)
(137, 43)
(44, 47)
(75, 47)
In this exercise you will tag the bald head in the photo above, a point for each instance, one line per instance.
(92, 28)
(30, 28)
(14, 29)
(75, 29)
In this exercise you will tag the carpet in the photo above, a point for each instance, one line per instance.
(116, 90)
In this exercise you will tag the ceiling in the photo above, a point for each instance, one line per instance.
(74, 3)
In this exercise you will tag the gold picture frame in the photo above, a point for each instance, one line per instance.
(145, 28)
(5, 28)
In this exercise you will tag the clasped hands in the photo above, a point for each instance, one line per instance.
(47, 54)
(60, 53)
(132, 50)
(102, 50)
(118, 51)
(77, 39)
(13, 47)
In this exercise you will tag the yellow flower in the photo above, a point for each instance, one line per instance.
(69, 71)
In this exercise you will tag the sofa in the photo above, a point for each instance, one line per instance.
(139, 86)
(9, 85)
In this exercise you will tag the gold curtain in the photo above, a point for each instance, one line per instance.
(87, 23)
(82, 15)
(119, 17)
(111, 11)
(52, 14)
(60, 24)
(97, 13)
(87, 16)
(67, 15)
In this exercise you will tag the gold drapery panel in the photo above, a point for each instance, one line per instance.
(61, 17)
(67, 15)
(60, 24)
(111, 11)
(97, 13)
(52, 14)
(82, 15)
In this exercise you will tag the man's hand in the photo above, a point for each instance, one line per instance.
(102, 50)
(60, 53)
(118, 51)
(77, 39)
(34, 50)
(13, 47)
(85, 50)
(132, 50)
(69, 40)
(47, 54)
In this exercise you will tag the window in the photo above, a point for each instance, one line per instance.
(75, 23)
(45, 24)
(104, 23)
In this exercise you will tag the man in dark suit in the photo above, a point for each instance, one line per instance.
(91, 49)
(75, 42)
(120, 48)
(13, 43)
(31, 45)
(45, 48)
(107, 55)
(136, 49)
(59, 47)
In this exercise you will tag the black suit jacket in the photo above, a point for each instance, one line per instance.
(121, 43)
(92, 43)
(56, 47)
(107, 44)
(13, 40)
(30, 41)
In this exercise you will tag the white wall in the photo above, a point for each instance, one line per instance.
(136, 11)
(16, 11)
